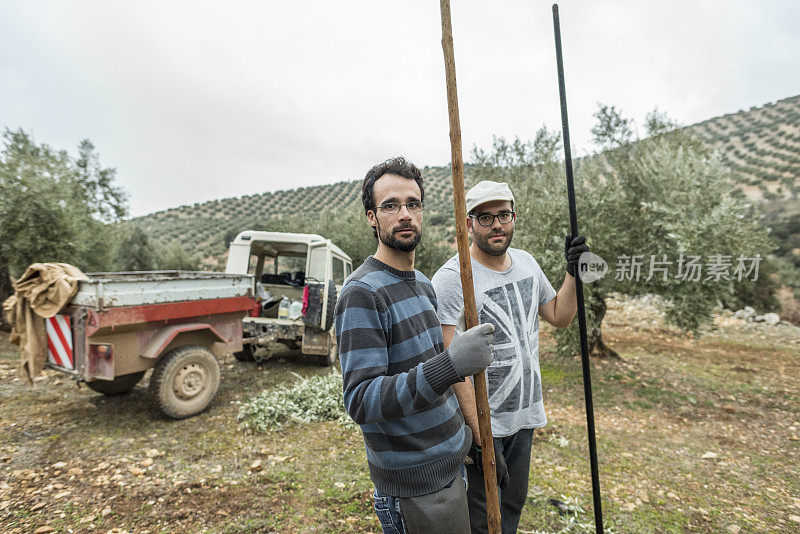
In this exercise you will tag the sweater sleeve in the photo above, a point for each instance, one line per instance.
(370, 393)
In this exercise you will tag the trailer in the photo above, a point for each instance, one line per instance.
(119, 325)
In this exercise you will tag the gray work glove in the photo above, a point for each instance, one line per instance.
(471, 351)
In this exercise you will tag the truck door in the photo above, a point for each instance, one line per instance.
(318, 278)
(339, 272)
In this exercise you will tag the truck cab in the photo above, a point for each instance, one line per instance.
(296, 278)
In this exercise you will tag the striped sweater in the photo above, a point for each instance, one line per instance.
(397, 378)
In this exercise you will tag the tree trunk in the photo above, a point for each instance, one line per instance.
(5, 291)
(597, 346)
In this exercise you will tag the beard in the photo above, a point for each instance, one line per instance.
(391, 240)
(494, 249)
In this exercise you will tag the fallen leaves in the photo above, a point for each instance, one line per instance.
(136, 471)
(256, 466)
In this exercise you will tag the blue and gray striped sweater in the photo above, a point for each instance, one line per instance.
(397, 378)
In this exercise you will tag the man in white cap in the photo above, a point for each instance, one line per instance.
(511, 292)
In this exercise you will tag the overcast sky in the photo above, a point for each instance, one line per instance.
(192, 101)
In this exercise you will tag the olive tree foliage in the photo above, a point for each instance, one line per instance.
(662, 197)
(174, 257)
(136, 253)
(55, 207)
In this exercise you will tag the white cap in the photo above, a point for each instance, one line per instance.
(487, 191)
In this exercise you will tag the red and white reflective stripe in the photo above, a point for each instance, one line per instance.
(59, 342)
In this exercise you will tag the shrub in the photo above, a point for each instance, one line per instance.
(317, 398)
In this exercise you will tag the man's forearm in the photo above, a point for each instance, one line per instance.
(566, 305)
(465, 394)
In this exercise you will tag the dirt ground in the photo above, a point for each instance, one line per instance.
(694, 435)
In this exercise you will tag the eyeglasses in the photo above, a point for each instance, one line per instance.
(487, 219)
(415, 206)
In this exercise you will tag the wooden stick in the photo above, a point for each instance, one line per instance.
(465, 265)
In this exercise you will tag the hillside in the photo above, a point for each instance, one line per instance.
(761, 146)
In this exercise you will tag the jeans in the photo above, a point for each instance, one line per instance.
(516, 449)
(387, 508)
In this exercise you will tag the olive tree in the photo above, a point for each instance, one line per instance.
(657, 201)
(55, 207)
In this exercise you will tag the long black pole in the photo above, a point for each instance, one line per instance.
(573, 223)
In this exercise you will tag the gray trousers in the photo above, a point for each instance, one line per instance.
(516, 450)
(441, 512)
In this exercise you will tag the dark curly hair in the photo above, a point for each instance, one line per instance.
(398, 166)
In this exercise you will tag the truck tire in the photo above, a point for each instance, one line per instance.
(246, 354)
(119, 386)
(185, 381)
(326, 360)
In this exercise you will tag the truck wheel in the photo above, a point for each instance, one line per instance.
(118, 386)
(185, 381)
(246, 354)
(326, 360)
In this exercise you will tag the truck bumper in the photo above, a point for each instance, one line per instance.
(263, 331)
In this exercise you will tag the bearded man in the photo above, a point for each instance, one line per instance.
(398, 374)
(511, 293)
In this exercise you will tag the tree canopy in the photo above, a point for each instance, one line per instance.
(55, 207)
(657, 201)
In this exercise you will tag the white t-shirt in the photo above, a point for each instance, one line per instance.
(509, 300)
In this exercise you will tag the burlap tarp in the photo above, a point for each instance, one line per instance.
(41, 292)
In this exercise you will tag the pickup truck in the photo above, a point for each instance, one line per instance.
(121, 324)
(290, 267)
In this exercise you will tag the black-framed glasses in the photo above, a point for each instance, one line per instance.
(415, 206)
(487, 219)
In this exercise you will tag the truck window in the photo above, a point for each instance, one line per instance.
(338, 271)
(291, 264)
(347, 269)
(316, 264)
